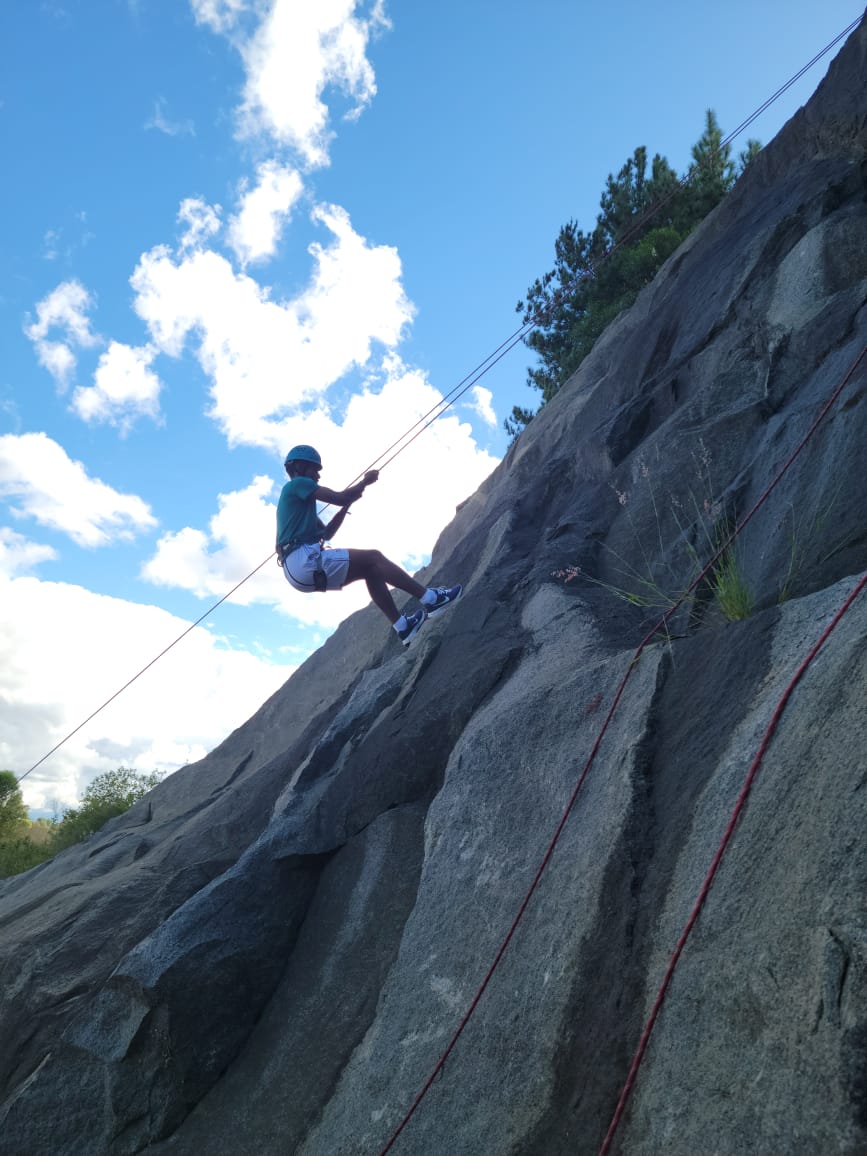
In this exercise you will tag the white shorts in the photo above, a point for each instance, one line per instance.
(300, 564)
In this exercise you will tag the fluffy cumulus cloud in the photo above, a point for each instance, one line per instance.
(401, 515)
(293, 55)
(277, 371)
(200, 222)
(124, 388)
(64, 651)
(221, 15)
(239, 536)
(61, 328)
(264, 209)
(18, 555)
(298, 51)
(40, 481)
(265, 358)
(481, 404)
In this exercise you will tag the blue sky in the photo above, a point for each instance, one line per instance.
(231, 225)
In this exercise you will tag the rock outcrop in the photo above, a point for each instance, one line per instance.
(271, 951)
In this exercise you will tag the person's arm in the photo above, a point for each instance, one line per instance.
(334, 525)
(348, 496)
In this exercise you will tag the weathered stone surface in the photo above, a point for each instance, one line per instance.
(776, 971)
(270, 952)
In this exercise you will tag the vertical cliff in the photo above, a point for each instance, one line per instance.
(271, 952)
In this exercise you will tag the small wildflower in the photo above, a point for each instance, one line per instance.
(567, 574)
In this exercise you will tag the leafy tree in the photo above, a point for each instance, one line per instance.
(110, 794)
(13, 813)
(20, 854)
(41, 830)
(597, 275)
(24, 844)
(17, 852)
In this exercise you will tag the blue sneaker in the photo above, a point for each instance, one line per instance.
(414, 623)
(446, 595)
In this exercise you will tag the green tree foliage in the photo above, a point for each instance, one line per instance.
(713, 172)
(598, 274)
(108, 795)
(747, 155)
(13, 813)
(24, 844)
(17, 853)
(20, 853)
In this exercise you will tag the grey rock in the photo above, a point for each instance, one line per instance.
(271, 952)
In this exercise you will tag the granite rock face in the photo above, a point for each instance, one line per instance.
(272, 950)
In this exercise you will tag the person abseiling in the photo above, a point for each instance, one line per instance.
(311, 566)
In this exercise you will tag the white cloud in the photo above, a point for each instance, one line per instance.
(481, 404)
(297, 52)
(401, 515)
(64, 241)
(57, 492)
(18, 554)
(239, 537)
(294, 54)
(58, 359)
(51, 244)
(124, 388)
(201, 221)
(221, 15)
(60, 660)
(255, 231)
(271, 365)
(265, 358)
(64, 308)
(162, 123)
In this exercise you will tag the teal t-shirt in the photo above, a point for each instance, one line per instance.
(297, 520)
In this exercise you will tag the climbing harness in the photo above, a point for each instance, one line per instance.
(320, 578)
(448, 400)
(402, 443)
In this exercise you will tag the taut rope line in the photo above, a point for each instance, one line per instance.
(463, 386)
(648, 638)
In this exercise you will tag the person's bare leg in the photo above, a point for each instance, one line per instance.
(379, 573)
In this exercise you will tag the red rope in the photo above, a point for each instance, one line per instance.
(504, 945)
(540, 317)
(440, 1064)
(717, 859)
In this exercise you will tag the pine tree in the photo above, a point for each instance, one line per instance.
(712, 172)
(747, 155)
(597, 275)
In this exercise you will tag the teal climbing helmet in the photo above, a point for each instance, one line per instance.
(302, 454)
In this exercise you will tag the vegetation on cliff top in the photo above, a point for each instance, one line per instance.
(589, 284)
